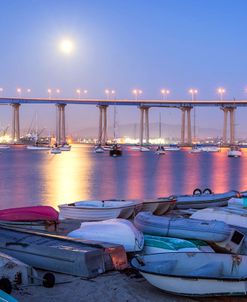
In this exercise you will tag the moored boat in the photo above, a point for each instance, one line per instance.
(160, 150)
(234, 151)
(4, 147)
(144, 149)
(118, 231)
(115, 151)
(56, 150)
(202, 274)
(210, 149)
(65, 147)
(99, 149)
(195, 149)
(98, 210)
(38, 148)
(172, 147)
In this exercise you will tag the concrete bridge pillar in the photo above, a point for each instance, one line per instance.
(231, 111)
(186, 112)
(102, 134)
(15, 122)
(144, 124)
(60, 124)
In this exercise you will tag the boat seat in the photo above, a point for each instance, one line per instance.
(164, 267)
(211, 269)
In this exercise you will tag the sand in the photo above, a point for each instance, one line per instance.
(113, 286)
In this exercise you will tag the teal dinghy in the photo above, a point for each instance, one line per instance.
(158, 244)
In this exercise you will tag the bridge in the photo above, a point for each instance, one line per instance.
(227, 106)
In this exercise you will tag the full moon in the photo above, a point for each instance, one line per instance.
(66, 46)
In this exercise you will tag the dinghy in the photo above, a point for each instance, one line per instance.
(62, 254)
(201, 201)
(181, 227)
(118, 231)
(98, 210)
(202, 274)
(158, 206)
(231, 216)
(158, 244)
(33, 213)
(35, 217)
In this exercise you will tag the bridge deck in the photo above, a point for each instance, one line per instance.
(124, 102)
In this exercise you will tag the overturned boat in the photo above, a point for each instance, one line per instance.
(60, 253)
(35, 217)
(201, 201)
(118, 231)
(182, 227)
(202, 274)
(96, 210)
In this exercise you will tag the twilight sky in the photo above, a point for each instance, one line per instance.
(123, 44)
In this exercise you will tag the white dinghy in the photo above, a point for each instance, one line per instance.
(231, 216)
(202, 274)
(117, 231)
(159, 206)
(97, 210)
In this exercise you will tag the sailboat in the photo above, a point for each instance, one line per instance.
(116, 149)
(160, 150)
(37, 146)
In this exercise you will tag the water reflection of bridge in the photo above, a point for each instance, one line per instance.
(228, 108)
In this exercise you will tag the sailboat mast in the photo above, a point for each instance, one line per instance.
(114, 124)
(159, 125)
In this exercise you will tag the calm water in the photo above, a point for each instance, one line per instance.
(33, 177)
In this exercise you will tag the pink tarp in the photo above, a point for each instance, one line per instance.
(29, 214)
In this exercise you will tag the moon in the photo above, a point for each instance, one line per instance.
(66, 46)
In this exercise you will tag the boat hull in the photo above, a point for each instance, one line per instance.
(61, 254)
(182, 227)
(204, 200)
(202, 274)
(98, 210)
(117, 231)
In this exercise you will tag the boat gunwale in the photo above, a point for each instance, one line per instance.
(67, 206)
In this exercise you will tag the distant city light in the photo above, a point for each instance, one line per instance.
(57, 90)
(28, 90)
(66, 46)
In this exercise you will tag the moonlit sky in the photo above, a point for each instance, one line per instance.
(124, 44)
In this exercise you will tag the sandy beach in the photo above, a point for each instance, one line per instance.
(112, 286)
